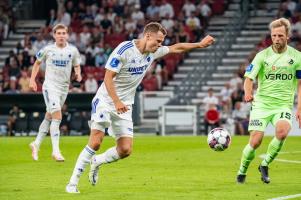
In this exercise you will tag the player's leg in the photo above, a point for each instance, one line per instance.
(56, 103)
(122, 129)
(43, 129)
(248, 154)
(95, 140)
(259, 119)
(282, 122)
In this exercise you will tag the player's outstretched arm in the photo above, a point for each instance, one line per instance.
(108, 80)
(183, 47)
(34, 72)
(78, 74)
(248, 88)
(298, 114)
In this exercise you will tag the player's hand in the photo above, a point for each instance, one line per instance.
(33, 85)
(207, 41)
(248, 97)
(120, 107)
(298, 117)
(78, 77)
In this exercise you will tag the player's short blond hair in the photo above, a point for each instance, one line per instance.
(154, 27)
(281, 22)
(59, 26)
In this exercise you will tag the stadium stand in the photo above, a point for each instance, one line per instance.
(189, 76)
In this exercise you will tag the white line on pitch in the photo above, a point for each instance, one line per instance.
(284, 160)
(286, 197)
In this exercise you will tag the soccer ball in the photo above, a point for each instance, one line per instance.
(219, 139)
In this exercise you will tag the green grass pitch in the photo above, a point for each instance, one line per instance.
(171, 168)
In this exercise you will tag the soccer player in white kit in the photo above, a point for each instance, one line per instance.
(112, 104)
(59, 58)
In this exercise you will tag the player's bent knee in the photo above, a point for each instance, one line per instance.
(281, 133)
(124, 151)
(95, 139)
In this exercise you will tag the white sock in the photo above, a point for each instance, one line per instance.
(110, 155)
(55, 135)
(82, 161)
(43, 130)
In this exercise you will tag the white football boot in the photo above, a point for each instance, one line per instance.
(72, 189)
(93, 173)
(34, 151)
(58, 157)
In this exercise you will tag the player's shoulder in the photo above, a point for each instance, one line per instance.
(124, 47)
(294, 51)
(72, 47)
(49, 45)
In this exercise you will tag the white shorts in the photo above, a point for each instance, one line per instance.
(54, 100)
(104, 116)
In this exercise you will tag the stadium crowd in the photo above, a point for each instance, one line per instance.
(96, 27)
(229, 102)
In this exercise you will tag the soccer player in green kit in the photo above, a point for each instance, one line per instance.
(278, 72)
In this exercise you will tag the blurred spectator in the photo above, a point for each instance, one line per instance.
(12, 86)
(24, 82)
(226, 97)
(205, 12)
(101, 58)
(152, 10)
(188, 8)
(39, 43)
(237, 95)
(4, 24)
(194, 24)
(235, 81)
(14, 70)
(75, 86)
(241, 119)
(51, 19)
(91, 84)
(85, 35)
(66, 118)
(106, 24)
(137, 14)
(168, 23)
(12, 56)
(166, 9)
(210, 101)
(13, 115)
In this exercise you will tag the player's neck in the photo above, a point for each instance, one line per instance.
(279, 50)
(61, 45)
(141, 45)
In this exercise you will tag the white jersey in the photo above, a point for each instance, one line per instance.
(59, 62)
(130, 65)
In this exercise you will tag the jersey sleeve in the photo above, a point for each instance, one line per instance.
(76, 59)
(255, 66)
(41, 55)
(161, 51)
(116, 59)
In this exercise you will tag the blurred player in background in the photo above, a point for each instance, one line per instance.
(112, 104)
(59, 58)
(278, 71)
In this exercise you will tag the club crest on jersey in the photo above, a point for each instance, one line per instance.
(291, 62)
(114, 62)
(274, 68)
(148, 59)
(249, 68)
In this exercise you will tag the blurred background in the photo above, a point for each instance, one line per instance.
(181, 94)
